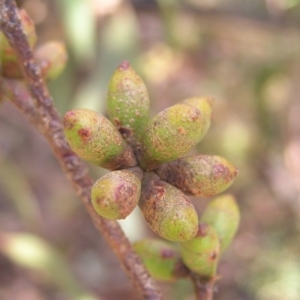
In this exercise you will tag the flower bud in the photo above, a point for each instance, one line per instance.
(171, 134)
(199, 175)
(128, 102)
(52, 58)
(116, 194)
(201, 253)
(8, 58)
(204, 104)
(95, 139)
(162, 259)
(166, 210)
(223, 214)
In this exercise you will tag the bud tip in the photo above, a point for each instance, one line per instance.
(124, 66)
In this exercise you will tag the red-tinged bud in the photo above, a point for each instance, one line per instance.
(116, 194)
(95, 139)
(167, 211)
(199, 175)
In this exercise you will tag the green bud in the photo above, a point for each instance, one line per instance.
(223, 214)
(161, 258)
(128, 102)
(199, 175)
(8, 58)
(95, 139)
(170, 135)
(52, 59)
(166, 210)
(204, 104)
(201, 253)
(116, 194)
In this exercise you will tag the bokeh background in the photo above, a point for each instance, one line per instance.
(246, 54)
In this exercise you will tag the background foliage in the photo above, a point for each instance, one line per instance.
(246, 55)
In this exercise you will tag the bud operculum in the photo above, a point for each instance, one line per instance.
(204, 104)
(128, 102)
(170, 135)
(95, 139)
(223, 214)
(199, 175)
(201, 254)
(116, 194)
(166, 210)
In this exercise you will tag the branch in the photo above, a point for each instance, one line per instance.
(40, 112)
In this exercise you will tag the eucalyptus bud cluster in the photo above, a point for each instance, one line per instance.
(150, 169)
(149, 165)
(199, 255)
(51, 56)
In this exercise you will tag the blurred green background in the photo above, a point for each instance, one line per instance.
(246, 54)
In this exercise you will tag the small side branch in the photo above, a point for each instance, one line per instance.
(204, 287)
(39, 110)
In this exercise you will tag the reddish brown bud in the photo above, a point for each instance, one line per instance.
(199, 175)
(116, 194)
(167, 211)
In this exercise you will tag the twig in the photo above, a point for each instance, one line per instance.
(204, 287)
(47, 120)
(15, 91)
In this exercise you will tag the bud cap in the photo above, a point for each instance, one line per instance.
(170, 135)
(199, 175)
(201, 253)
(116, 194)
(166, 210)
(128, 102)
(223, 214)
(95, 139)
